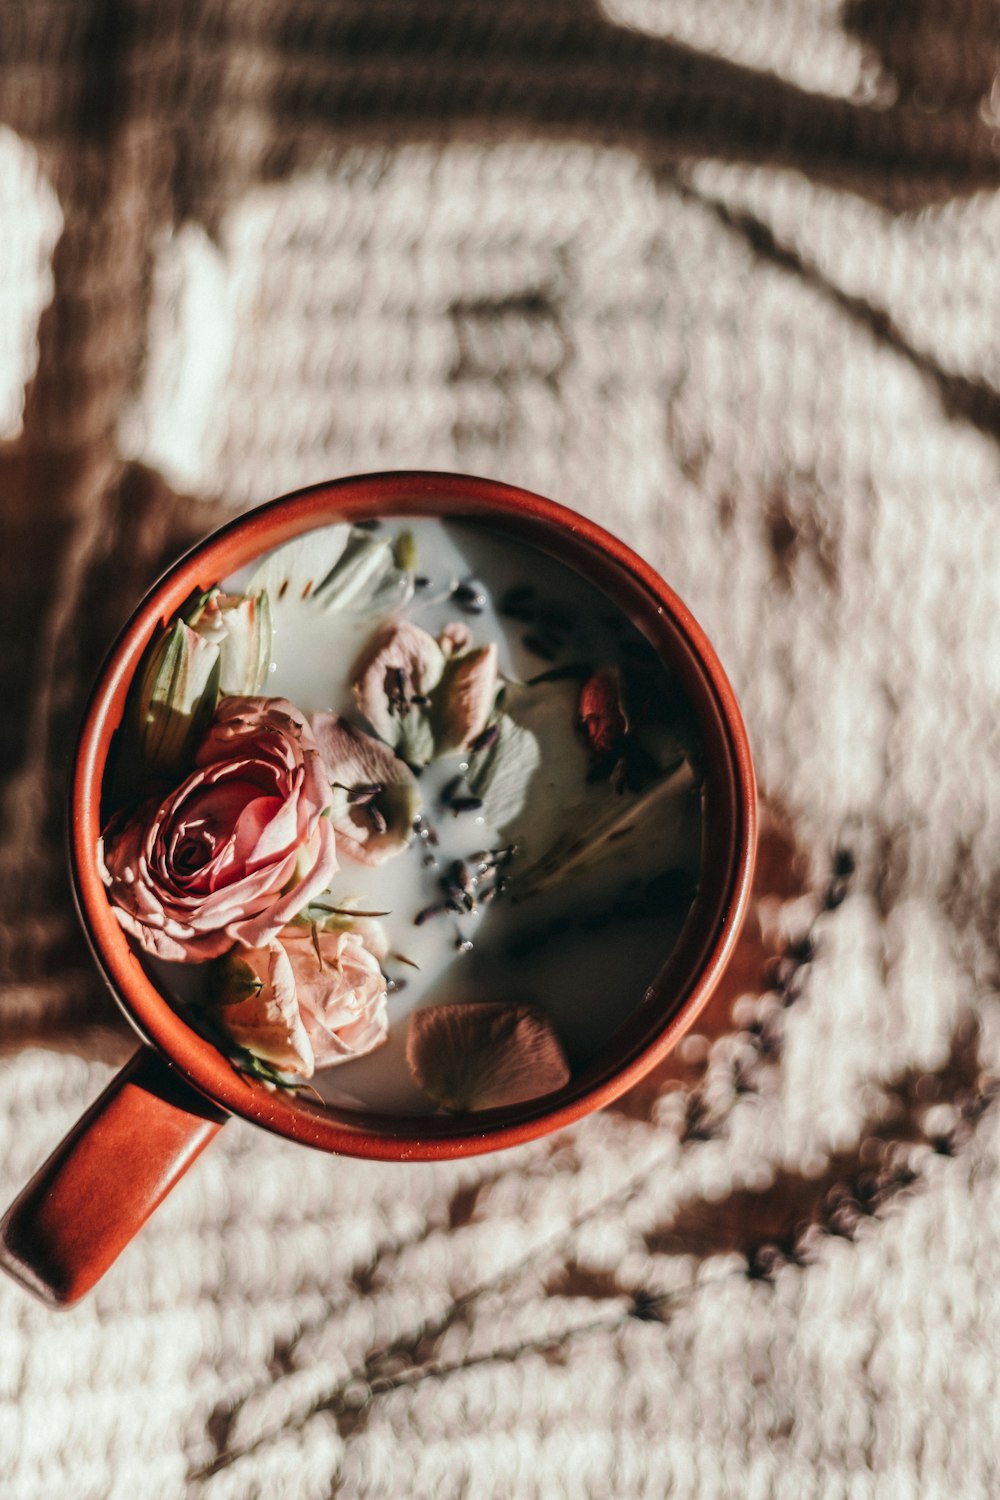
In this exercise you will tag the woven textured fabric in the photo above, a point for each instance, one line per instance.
(721, 276)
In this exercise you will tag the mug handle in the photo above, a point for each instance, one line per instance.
(103, 1181)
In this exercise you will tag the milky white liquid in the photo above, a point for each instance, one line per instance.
(588, 979)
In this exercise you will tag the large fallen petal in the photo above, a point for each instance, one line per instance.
(484, 1056)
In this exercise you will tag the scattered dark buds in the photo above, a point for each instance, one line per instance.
(538, 646)
(470, 596)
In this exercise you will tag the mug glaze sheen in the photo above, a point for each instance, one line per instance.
(163, 1108)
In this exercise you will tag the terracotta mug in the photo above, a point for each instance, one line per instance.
(121, 1159)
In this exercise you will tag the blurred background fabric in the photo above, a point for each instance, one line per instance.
(722, 275)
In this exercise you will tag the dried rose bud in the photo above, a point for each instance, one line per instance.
(601, 712)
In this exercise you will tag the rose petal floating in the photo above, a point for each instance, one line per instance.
(484, 1056)
(237, 849)
(393, 681)
(375, 795)
(464, 700)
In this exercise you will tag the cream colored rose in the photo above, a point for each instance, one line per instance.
(311, 999)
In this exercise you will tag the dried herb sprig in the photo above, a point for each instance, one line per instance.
(345, 911)
(469, 884)
(470, 596)
(458, 797)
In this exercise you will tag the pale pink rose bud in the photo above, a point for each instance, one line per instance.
(341, 992)
(241, 846)
(259, 1009)
(312, 999)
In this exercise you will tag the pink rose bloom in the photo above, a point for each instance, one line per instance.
(311, 999)
(237, 850)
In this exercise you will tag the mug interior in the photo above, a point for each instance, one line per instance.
(668, 1007)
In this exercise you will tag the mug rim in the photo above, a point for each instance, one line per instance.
(698, 956)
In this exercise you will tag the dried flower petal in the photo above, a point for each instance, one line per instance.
(465, 698)
(425, 697)
(374, 827)
(527, 794)
(366, 579)
(339, 568)
(484, 1056)
(295, 570)
(501, 771)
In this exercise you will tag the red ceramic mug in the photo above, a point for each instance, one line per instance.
(102, 1182)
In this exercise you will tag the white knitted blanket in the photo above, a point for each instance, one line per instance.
(723, 276)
